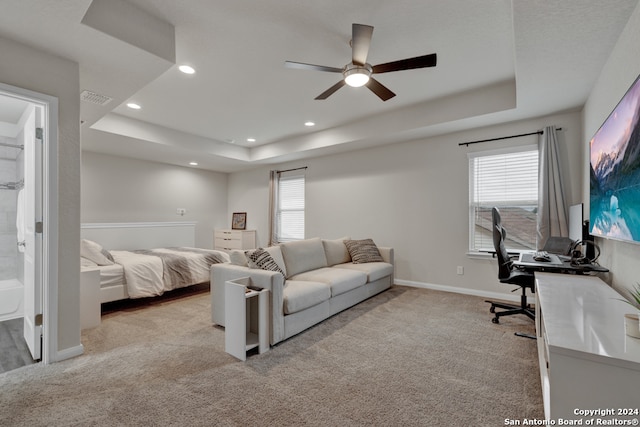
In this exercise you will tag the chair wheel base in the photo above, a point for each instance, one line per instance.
(495, 319)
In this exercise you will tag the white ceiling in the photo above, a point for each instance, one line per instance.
(498, 60)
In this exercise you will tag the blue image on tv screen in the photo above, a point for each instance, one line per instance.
(615, 172)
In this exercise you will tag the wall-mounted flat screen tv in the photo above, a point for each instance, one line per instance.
(615, 172)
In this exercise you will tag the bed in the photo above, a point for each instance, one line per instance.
(138, 260)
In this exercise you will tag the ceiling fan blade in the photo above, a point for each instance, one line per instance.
(360, 42)
(379, 89)
(327, 93)
(303, 66)
(407, 64)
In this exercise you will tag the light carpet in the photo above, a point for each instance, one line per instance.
(405, 357)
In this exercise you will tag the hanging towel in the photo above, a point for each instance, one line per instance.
(20, 220)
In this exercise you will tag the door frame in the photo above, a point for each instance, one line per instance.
(49, 272)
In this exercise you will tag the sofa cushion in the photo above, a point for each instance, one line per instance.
(260, 258)
(339, 280)
(363, 251)
(336, 251)
(300, 295)
(303, 255)
(373, 270)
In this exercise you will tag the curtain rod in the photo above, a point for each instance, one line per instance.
(540, 132)
(289, 170)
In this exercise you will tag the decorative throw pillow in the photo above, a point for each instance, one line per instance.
(260, 258)
(237, 257)
(363, 251)
(96, 253)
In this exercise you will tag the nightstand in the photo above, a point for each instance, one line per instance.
(246, 318)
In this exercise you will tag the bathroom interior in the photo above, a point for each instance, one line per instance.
(13, 350)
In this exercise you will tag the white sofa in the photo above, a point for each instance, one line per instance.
(321, 280)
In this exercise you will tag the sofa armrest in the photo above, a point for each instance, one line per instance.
(387, 254)
(271, 280)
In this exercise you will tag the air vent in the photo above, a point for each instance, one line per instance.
(95, 98)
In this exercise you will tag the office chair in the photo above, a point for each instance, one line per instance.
(507, 274)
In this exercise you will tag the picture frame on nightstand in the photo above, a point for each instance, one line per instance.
(239, 221)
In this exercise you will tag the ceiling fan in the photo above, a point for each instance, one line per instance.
(358, 72)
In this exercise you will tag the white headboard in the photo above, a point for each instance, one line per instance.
(140, 235)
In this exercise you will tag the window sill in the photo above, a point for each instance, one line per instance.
(480, 255)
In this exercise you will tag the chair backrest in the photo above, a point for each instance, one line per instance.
(499, 234)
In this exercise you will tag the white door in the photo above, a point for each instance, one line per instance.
(32, 245)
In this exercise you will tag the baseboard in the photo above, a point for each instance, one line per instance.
(68, 353)
(465, 291)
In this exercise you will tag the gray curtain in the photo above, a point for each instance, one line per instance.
(553, 213)
(273, 185)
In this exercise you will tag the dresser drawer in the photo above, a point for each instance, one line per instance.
(228, 234)
(227, 243)
(234, 239)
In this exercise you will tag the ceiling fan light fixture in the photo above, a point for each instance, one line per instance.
(357, 75)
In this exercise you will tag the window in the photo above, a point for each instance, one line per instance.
(289, 206)
(508, 180)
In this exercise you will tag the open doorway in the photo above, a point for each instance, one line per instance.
(22, 130)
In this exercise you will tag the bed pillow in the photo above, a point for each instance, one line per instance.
(336, 251)
(84, 262)
(363, 251)
(260, 258)
(94, 252)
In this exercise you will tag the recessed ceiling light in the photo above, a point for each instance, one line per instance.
(133, 106)
(186, 69)
(251, 140)
(193, 163)
(309, 124)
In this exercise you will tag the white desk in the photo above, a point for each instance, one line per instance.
(586, 359)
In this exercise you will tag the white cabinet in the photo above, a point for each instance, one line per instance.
(246, 318)
(587, 362)
(225, 240)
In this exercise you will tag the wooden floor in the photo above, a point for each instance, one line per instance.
(13, 349)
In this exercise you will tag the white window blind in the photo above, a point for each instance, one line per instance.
(507, 180)
(290, 207)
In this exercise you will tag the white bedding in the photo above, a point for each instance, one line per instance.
(111, 275)
(143, 273)
(148, 273)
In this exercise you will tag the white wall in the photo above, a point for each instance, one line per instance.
(616, 77)
(118, 189)
(38, 71)
(412, 196)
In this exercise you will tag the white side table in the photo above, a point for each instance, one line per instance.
(246, 318)
(89, 298)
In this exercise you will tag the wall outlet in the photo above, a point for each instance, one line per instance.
(181, 211)
(460, 270)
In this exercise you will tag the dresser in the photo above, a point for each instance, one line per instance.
(226, 240)
(587, 362)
